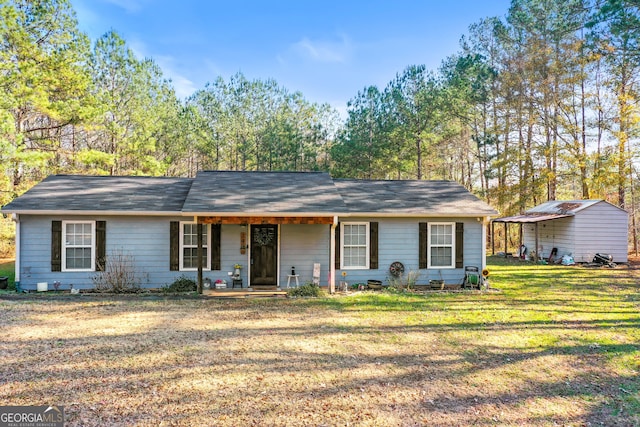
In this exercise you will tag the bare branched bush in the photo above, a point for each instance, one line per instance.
(407, 281)
(119, 275)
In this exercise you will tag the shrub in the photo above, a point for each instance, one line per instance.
(402, 282)
(181, 284)
(306, 290)
(119, 275)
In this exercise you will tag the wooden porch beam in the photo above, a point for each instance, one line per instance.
(247, 220)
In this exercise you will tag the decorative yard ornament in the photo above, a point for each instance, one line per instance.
(396, 269)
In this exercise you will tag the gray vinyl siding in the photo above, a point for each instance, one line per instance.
(301, 246)
(599, 228)
(398, 241)
(230, 255)
(147, 240)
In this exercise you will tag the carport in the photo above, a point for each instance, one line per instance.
(526, 218)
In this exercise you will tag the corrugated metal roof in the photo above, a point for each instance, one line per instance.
(553, 209)
(562, 206)
(529, 218)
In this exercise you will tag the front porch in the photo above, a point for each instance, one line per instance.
(271, 251)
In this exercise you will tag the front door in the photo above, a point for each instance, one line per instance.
(264, 255)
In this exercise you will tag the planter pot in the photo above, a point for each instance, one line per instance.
(436, 284)
(374, 284)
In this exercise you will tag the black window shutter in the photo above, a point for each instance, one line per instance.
(215, 246)
(459, 244)
(422, 245)
(337, 260)
(56, 245)
(373, 246)
(174, 246)
(101, 245)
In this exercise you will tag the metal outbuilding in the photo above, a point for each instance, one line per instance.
(580, 228)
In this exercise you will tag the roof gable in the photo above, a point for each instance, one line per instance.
(263, 192)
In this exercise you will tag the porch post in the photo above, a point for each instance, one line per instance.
(16, 218)
(199, 255)
(332, 256)
(484, 244)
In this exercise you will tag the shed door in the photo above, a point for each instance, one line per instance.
(264, 255)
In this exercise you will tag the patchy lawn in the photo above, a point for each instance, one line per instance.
(557, 346)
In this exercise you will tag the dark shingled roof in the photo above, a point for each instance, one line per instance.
(232, 192)
(263, 192)
(441, 198)
(104, 193)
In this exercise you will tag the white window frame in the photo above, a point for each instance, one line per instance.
(342, 246)
(452, 245)
(63, 255)
(205, 244)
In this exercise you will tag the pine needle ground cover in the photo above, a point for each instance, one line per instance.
(556, 346)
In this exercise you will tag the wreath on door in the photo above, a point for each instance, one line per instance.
(396, 269)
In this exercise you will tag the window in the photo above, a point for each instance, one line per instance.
(355, 245)
(78, 245)
(441, 244)
(189, 246)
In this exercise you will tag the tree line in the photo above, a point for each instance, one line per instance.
(538, 105)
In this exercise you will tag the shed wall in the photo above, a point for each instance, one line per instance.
(601, 228)
(551, 234)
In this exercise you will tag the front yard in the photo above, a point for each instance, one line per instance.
(557, 346)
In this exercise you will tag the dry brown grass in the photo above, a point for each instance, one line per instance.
(370, 360)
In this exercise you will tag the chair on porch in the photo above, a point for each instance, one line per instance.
(316, 274)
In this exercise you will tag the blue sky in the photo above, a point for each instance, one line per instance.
(326, 49)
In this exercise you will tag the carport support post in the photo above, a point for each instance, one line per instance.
(493, 238)
(506, 232)
(200, 251)
(535, 259)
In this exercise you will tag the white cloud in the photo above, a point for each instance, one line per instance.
(139, 48)
(183, 86)
(324, 51)
(130, 6)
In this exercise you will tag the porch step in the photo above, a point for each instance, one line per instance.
(244, 293)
